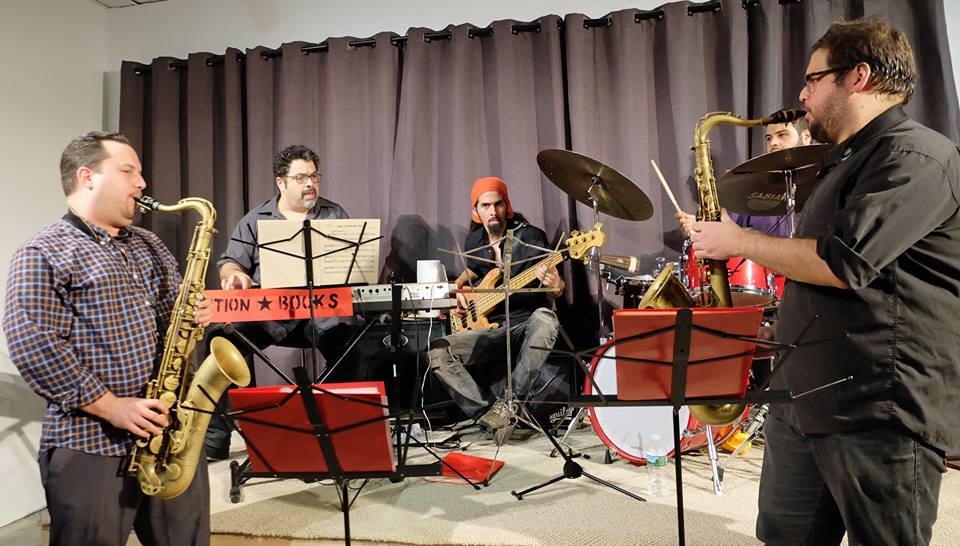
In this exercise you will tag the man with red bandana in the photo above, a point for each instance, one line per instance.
(532, 322)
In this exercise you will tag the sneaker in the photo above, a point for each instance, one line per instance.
(217, 452)
(497, 417)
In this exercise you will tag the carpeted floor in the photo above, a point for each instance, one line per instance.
(579, 511)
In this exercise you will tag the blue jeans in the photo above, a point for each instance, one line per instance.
(880, 486)
(484, 352)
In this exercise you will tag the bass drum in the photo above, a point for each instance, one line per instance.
(624, 429)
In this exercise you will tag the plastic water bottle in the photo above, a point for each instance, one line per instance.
(658, 484)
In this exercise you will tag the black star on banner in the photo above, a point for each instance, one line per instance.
(265, 304)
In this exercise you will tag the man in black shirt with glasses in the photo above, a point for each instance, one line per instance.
(297, 176)
(874, 280)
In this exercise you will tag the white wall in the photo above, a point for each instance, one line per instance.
(51, 89)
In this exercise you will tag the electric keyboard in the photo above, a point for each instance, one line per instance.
(413, 297)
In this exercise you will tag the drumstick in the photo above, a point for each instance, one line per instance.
(666, 188)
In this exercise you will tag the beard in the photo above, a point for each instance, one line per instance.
(308, 203)
(495, 228)
(826, 127)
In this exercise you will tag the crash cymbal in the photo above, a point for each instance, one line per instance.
(758, 186)
(574, 174)
(783, 160)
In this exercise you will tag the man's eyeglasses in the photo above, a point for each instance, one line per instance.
(814, 77)
(302, 178)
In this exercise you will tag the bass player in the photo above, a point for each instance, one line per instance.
(473, 356)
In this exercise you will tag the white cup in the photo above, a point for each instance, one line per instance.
(431, 271)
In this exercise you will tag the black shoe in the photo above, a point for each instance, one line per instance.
(217, 452)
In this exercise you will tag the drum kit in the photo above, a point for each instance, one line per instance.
(774, 184)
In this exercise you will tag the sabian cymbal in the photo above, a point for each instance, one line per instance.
(574, 174)
(758, 187)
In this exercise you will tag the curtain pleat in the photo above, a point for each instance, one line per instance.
(473, 107)
(403, 130)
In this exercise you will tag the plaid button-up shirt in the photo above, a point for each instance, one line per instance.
(85, 314)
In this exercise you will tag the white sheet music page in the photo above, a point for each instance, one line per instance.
(336, 243)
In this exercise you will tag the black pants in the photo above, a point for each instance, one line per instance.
(880, 486)
(92, 503)
(332, 339)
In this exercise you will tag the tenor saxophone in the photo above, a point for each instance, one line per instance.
(709, 210)
(164, 465)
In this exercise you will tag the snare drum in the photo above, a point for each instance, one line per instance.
(750, 283)
(624, 429)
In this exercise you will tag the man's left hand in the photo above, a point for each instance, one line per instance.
(204, 311)
(550, 278)
(717, 240)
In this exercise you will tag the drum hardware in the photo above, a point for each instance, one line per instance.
(619, 427)
(605, 190)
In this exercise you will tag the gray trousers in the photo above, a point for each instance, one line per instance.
(484, 352)
(93, 504)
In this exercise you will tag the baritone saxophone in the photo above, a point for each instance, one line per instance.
(164, 465)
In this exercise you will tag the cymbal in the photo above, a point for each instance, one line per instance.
(758, 187)
(574, 174)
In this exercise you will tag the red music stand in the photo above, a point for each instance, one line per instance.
(325, 431)
(677, 357)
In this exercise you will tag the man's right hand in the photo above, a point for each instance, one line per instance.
(686, 222)
(141, 416)
(236, 280)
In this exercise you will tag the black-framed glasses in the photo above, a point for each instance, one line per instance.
(814, 77)
(302, 178)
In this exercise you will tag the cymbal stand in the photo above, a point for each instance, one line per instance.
(595, 263)
(595, 255)
(791, 193)
(715, 470)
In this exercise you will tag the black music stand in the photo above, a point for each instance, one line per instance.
(682, 329)
(242, 472)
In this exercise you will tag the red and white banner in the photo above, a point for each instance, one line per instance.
(259, 304)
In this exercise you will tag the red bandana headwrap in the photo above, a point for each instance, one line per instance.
(482, 186)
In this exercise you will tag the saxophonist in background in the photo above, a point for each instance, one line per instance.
(88, 300)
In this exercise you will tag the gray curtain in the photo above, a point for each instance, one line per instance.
(186, 120)
(403, 126)
(781, 35)
(473, 105)
(637, 87)
(341, 103)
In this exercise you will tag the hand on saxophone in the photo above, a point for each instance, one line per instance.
(141, 416)
(204, 311)
(717, 240)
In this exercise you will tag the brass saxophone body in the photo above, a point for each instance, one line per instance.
(709, 210)
(165, 464)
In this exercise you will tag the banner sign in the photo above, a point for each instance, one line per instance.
(260, 304)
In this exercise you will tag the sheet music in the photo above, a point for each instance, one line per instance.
(334, 246)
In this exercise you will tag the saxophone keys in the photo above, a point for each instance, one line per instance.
(171, 382)
(168, 399)
(172, 471)
(155, 444)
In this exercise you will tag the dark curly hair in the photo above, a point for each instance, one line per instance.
(286, 156)
(874, 41)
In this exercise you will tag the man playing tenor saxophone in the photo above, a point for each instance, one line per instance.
(88, 300)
